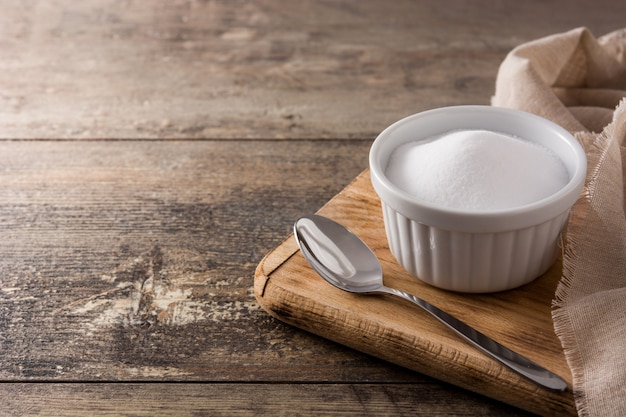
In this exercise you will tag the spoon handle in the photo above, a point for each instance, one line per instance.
(489, 346)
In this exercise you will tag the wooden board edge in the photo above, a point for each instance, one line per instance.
(270, 262)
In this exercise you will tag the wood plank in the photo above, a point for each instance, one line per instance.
(227, 399)
(289, 289)
(262, 69)
(135, 260)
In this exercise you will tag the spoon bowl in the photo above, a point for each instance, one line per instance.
(346, 262)
(338, 255)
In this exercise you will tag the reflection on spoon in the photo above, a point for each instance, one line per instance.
(345, 261)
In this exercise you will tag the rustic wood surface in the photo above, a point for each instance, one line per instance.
(152, 154)
(258, 69)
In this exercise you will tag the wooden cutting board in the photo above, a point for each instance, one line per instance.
(399, 332)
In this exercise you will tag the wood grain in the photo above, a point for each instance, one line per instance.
(262, 69)
(381, 326)
(134, 260)
(247, 399)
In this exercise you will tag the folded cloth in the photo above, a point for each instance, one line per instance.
(579, 82)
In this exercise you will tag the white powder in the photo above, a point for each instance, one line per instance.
(477, 170)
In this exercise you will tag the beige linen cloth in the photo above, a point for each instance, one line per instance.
(579, 82)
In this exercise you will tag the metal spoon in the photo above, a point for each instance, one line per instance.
(345, 261)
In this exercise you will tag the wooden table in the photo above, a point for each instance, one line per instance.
(153, 152)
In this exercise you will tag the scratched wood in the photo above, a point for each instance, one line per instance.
(289, 289)
(258, 69)
(134, 260)
(240, 400)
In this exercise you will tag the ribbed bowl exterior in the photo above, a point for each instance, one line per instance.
(473, 262)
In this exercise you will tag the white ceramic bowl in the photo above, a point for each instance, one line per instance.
(472, 251)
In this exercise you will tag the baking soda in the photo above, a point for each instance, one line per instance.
(477, 170)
